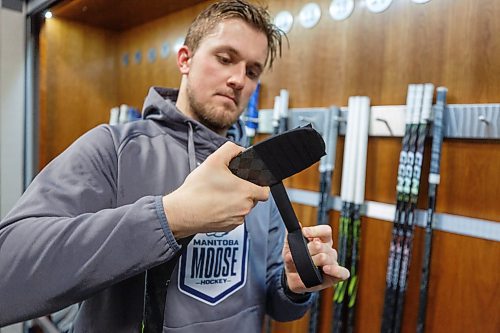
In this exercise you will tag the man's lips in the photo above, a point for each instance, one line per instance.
(234, 99)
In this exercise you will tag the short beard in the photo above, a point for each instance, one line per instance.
(218, 121)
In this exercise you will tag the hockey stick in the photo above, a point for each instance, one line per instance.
(359, 194)
(392, 274)
(437, 140)
(326, 167)
(428, 92)
(345, 222)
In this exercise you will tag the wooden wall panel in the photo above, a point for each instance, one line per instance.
(447, 42)
(77, 83)
(470, 179)
(136, 78)
(128, 14)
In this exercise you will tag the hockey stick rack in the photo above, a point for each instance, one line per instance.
(463, 121)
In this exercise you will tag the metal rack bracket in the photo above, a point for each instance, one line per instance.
(472, 121)
(462, 121)
(460, 225)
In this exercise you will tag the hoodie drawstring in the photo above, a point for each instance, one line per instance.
(190, 148)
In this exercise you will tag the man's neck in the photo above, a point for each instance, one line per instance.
(184, 107)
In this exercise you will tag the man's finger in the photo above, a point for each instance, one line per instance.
(226, 152)
(323, 232)
(260, 193)
(337, 271)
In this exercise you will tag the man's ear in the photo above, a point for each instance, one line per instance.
(184, 59)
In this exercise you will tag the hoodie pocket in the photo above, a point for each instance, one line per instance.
(247, 321)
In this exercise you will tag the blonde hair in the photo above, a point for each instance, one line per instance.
(255, 15)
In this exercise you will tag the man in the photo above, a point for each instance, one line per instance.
(97, 217)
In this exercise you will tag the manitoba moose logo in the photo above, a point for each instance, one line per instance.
(214, 265)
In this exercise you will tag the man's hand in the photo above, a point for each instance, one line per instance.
(212, 198)
(323, 255)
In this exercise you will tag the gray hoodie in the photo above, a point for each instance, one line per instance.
(92, 222)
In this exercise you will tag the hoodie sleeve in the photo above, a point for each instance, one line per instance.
(66, 239)
(280, 306)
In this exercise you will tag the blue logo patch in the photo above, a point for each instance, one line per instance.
(214, 265)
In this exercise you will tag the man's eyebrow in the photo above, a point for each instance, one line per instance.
(235, 52)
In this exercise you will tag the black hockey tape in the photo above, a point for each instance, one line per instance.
(308, 272)
(267, 164)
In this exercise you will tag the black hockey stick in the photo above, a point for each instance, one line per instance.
(345, 221)
(267, 164)
(396, 242)
(326, 167)
(428, 93)
(437, 140)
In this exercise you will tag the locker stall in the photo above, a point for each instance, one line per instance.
(95, 55)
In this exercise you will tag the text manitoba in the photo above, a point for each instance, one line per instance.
(215, 242)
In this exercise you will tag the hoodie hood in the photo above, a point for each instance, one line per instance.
(159, 106)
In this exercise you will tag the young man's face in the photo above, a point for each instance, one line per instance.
(223, 72)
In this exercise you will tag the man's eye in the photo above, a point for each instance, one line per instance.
(253, 74)
(224, 60)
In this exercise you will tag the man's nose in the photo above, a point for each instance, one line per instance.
(238, 76)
